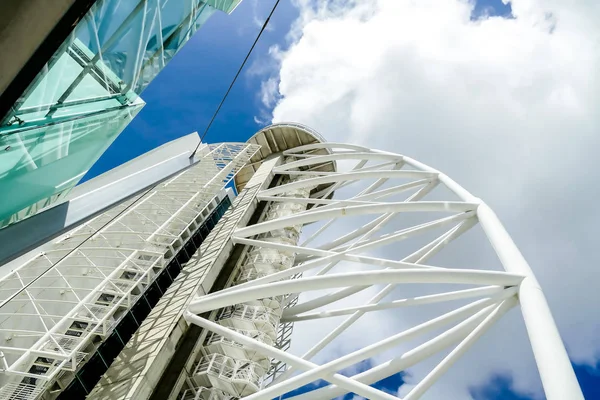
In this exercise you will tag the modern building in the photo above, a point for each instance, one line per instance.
(76, 299)
(64, 112)
(162, 287)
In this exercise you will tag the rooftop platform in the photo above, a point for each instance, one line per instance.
(278, 138)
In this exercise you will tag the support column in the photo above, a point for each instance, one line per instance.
(554, 365)
(225, 367)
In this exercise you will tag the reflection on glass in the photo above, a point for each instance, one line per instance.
(87, 93)
(40, 165)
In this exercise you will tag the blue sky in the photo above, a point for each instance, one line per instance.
(184, 96)
(492, 7)
(389, 384)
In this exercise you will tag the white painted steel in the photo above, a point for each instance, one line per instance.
(57, 304)
(350, 279)
(262, 313)
(276, 353)
(370, 192)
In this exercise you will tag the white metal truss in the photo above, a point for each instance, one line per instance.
(60, 301)
(226, 366)
(369, 200)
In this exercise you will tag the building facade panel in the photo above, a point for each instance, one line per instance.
(60, 304)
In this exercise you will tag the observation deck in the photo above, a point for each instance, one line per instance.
(277, 138)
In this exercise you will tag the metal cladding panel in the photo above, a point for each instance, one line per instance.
(97, 194)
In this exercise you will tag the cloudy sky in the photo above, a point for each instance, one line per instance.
(501, 97)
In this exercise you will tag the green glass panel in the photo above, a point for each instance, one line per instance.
(40, 165)
(136, 39)
(224, 5)
(111, 57)
(55, 82)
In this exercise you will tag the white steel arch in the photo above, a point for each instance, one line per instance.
(369, 191)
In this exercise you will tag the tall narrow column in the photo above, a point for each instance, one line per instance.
(227, 366)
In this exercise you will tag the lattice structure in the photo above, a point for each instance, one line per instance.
(202, 393)
(370, 199)
(258, 318)
(61, 302)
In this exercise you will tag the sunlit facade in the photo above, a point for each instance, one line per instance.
(87, 94)
(170, 287)
(70, 306)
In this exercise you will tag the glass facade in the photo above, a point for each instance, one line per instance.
(86, 94)
(40, 165)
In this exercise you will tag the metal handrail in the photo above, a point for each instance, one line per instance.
(290, 124)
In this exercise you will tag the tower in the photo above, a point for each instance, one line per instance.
(351, 198)
(314, 225)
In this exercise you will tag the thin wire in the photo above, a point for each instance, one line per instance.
(235, 78)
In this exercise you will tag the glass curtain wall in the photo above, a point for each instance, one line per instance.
(86, 94)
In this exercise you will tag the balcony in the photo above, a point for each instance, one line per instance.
(250, 318)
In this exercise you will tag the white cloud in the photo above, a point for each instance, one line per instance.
(268, 90)
(507, 107)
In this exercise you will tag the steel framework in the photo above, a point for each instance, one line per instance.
(61, 302)
(368, 197)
